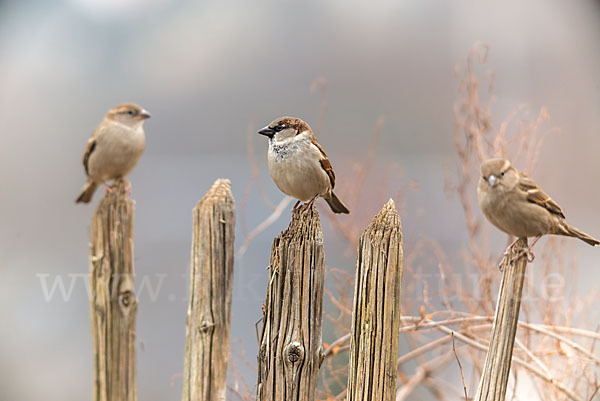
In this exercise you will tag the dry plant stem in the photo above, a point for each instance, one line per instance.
(422, 374)
(568, 330)
(290, 346)
(113, 301)
(562, 339)
(532, 369)
(422, 325)
(532, 356)
(336, 346)
(211, 282)
(462, 375)
(272, 218)
(496, 370)
(376, 312)
(422, 349)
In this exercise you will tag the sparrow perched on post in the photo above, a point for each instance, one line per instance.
(114, 148)
(298, 164)
(515, 204)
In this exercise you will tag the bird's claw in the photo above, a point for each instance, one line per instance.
(108, 188)
(521, 252)
(302, 208)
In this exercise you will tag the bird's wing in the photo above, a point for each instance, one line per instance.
(325, 163)
(539, 197)
(91, 145)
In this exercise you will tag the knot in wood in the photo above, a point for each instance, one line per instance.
(294, 352)
(206, 325)
(126, 298)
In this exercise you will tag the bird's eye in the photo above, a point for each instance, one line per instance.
(279, 127)
(130, 112)
(502, 173)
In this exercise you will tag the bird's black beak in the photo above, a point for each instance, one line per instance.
(267, 131)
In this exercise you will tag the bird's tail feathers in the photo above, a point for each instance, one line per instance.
(336, 204)
(574, 232)
(87, 192)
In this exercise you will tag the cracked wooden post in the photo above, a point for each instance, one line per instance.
(211, 283)
(496, 370)
(113, 301)
(376, 314)
(290, 345)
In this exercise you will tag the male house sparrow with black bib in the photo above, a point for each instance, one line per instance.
(114, 148)
(515, 204)
(298, 164)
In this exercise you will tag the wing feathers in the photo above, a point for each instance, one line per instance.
(88, 152)
(325, 163)
(539, 197)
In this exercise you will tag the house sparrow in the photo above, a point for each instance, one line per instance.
(298, 164)
(516, 205)
(114, 148)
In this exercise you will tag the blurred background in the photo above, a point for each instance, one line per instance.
(212, 73)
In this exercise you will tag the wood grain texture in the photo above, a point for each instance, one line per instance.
(496, 370)
(211, 283)
(376, 314)
(290, 346)
(113, 301)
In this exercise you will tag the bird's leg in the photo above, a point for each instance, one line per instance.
(107, 188)
(295, 211)
(311, 203)
(527, 252)
(127, 186)
(510, 247)
(506, 253)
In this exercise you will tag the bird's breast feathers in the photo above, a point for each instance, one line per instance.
(280, 151)
(296, 169)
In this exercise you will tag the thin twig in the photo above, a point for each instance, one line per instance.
(594, 393)
(516, 360)
(462, 375)
(421, 350)
(272, 218)
(562, 339)
(421, 375)
(343, 340)
(532, 356)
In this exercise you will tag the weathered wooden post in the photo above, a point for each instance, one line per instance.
(113, 301)
(290, 344)
(496, 370)
(376, 314)
(211, 283)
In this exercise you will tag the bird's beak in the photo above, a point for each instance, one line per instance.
(144, 114)
(492, 180)
(267, 132)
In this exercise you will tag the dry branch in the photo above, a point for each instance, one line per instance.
(113, 303)
(376, 314)
(290, 346)
(496, 370)
(422, 374)
(211, 283)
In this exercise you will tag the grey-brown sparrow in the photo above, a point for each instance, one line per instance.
(298, 164)
(515, 204)
(114, 148)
